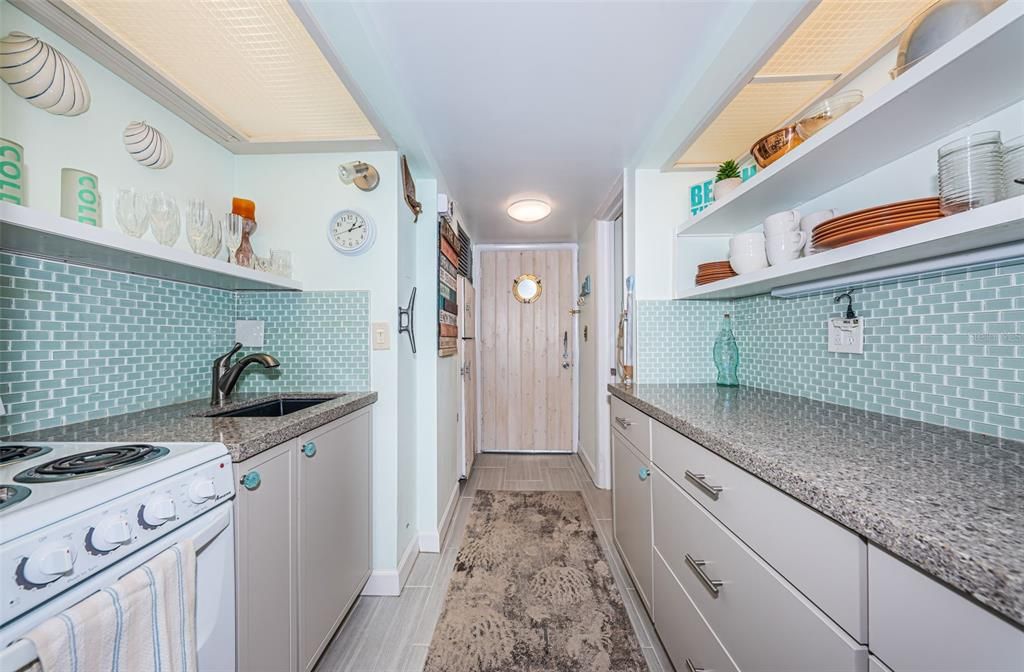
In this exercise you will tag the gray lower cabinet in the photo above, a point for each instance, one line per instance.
(265, 537)
(631, 512)
(302, 542)
(334, 529)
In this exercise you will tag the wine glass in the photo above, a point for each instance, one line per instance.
(130, 209)
(233, 233)
(164, 218)
(198, 225)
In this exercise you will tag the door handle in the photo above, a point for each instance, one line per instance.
(625, 423)
(700, 480)
(309, 449)
(644, 473)
(713, 585)
(251, 480)
(565, 350)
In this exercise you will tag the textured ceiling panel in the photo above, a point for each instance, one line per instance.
(840, 34)
(757, 110)
(249, 62)
(836, 38)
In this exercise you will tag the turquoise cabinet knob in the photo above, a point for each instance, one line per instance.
(251, 480)
(309, 449)
(644, 473)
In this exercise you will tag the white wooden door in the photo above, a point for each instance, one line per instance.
(468, 368)
(527, 352)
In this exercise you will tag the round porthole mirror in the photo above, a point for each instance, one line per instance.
(527, 288)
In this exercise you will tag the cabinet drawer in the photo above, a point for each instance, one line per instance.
(633, 425)
(919, 625)
(875, 665)
(762, 620)
(827, 562)
(685, 634)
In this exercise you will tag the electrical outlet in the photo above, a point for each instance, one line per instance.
(846, 335)
(249, 333)
(381, 336)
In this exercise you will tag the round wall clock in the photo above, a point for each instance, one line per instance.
(351, 232)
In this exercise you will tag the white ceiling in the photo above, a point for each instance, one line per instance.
(529, 99)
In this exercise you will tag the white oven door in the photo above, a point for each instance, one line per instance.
(212, 535)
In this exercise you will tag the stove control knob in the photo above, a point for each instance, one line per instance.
(202, 490)
(48, 564)
(158, 510)
(110, 534)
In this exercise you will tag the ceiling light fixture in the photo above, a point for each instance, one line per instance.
(529, 210)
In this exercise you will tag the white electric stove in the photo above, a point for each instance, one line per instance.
(75, 517)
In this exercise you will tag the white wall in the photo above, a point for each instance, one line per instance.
(92, 141)
(296, 195)
(408, 413)
(596, 357)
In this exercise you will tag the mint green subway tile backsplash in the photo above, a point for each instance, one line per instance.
(948, 350)
(320, 338)
(79, 343)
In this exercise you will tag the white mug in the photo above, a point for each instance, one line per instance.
(781, 220)
(785, 247)
(747, 252)
(810, 221)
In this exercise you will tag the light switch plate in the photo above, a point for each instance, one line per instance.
(249, 333)
(846, 335)
(381, 336)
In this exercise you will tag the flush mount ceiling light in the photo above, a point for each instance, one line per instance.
(833, 41)
(529, 210)
(250, 64)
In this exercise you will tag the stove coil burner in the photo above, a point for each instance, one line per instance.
(13, 452)
(12, 494)
(91, 462)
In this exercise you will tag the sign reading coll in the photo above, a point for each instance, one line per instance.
(12, 170)
(80, 196)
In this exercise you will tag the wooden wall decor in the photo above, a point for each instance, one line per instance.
(447, 289)
(410, 191)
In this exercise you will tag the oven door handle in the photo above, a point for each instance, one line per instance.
(22, 653)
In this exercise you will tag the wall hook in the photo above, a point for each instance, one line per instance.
(850, 315)
(405, 320)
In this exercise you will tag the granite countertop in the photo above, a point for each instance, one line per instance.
(188, 422)
(946, 501)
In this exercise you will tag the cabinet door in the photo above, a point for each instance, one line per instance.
(334, 528)
(631, 513)
(264, 543)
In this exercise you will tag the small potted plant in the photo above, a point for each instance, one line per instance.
(727, 179)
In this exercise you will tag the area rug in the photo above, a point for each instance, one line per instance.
(531, 591)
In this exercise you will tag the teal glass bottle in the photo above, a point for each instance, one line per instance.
(727, 355)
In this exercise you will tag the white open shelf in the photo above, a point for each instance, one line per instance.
(995, 224)
(974, 75)
(41, 234)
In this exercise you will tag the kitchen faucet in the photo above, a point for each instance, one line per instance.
(225, 377)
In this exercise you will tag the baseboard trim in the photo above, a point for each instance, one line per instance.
(588, 466)
(389, 582)
(431, 542)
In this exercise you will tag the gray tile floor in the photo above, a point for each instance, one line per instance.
(392, 634)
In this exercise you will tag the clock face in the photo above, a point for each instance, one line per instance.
(351, 232)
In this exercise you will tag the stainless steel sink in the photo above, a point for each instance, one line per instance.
(272, 409)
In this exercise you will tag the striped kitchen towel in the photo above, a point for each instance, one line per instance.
(143, 623)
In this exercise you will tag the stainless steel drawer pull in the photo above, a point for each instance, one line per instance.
(690, 667)
(698, 567)
(623, 422)
(700, 481)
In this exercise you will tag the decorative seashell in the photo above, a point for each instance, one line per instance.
(147, 145)
(42, 75)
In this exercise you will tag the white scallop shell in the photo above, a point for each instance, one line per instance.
(42, 75)
(147, 145)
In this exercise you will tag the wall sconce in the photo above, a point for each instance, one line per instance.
(361, 174)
